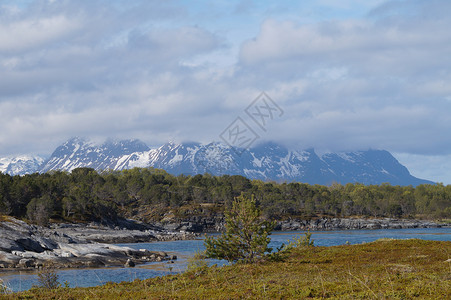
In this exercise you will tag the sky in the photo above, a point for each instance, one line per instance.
(346, 75)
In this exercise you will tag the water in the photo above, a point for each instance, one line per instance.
(18, 281)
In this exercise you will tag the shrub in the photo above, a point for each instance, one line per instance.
(4, 288)
(197, 263)
(48, 279)
(303, 241)
(284, 250)
(246, 235)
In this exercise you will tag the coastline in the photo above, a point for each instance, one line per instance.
(384, 268)
(27, 247)
(30, 247)
(216, 224)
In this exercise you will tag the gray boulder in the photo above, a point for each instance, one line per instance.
(129, 263)
(26, 263)
(30, 245)
(9, 245)
(8, 260)
(45, 243)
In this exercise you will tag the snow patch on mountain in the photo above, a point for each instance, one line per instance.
(20, 165)
(266, 161)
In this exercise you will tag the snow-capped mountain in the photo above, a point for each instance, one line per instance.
(268, 161)
(20, 165)
(78, 152)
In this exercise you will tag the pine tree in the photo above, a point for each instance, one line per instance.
(246, 235)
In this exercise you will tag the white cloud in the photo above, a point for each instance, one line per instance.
(369, 83)
(346, 77)
(363, 47)
(23, 35)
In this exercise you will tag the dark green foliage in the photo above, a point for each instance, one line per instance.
(39, 210)
(246, 235)
(149, 194)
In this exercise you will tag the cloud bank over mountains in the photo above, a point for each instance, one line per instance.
(348, 76)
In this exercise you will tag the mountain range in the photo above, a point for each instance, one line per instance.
(266, 161)
(20, 165)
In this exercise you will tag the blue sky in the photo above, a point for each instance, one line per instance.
(349, 75)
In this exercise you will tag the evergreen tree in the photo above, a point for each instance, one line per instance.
(246, 237)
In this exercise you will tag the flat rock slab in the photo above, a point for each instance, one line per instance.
(24, 246)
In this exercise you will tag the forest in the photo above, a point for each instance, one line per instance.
(148, 194)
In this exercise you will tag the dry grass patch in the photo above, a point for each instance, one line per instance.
(393, 269)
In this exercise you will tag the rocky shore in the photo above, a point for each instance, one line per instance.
(354, 223)
(24, 246)
(216, 224)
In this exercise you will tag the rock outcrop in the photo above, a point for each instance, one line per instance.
(102, 234)
(216, 224)
(353, 223)
(24, 246)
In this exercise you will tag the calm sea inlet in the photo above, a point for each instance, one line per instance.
(184, 249)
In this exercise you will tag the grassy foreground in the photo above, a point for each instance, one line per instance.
(385, 269)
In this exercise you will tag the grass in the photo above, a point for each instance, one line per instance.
(385, 269)
(4, 218)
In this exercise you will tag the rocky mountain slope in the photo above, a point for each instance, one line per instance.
(24, 164)
(267, 161)
(78, 152)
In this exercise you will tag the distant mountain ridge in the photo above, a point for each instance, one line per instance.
(78, 152)
(267, 161)
(19, 165)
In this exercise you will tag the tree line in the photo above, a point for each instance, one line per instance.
(149, 194)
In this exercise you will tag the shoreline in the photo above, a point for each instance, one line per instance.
(307, 257)
(216, 225)
(25, 247)
(381, 269)
(357, 223)
(32, 247)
